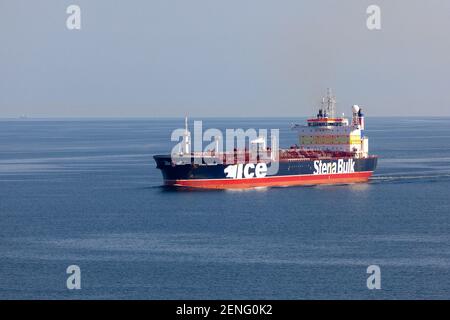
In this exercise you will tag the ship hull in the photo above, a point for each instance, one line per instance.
(289, 173)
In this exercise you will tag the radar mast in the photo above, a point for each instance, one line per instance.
(329, 104)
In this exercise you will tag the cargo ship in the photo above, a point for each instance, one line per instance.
(330, 150)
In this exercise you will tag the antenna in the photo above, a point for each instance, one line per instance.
(330, 102)
(186, 138)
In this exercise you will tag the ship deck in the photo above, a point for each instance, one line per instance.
(284, 155)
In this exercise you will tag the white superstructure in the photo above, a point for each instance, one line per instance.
(329, 133)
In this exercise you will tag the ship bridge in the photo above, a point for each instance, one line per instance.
(327, 122)
(326, 132)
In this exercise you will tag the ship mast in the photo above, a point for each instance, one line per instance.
(186, 138)
(329, 104)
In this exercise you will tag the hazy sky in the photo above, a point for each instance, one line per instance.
(222, 57)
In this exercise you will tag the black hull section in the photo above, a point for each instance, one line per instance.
(299, 167)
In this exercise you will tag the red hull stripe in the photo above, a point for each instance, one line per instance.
(282, 181)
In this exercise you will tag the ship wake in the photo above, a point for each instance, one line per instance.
(410, 178)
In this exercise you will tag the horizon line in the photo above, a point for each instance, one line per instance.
(21, 118)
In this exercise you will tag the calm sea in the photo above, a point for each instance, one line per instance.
(86, 192)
